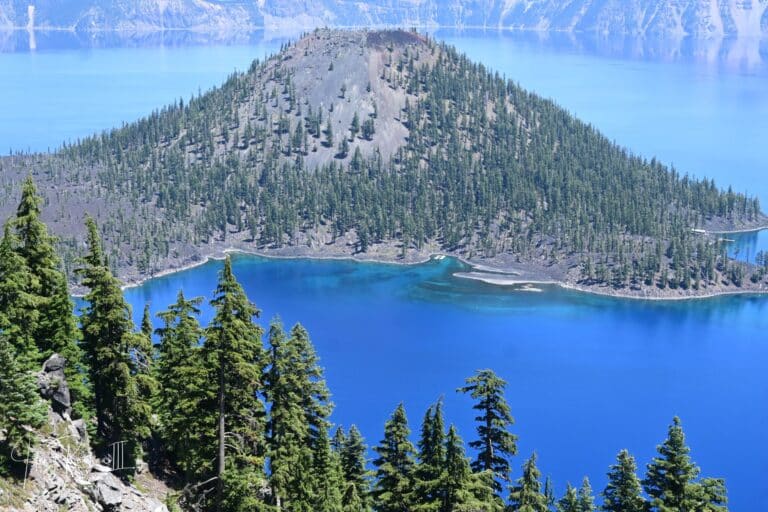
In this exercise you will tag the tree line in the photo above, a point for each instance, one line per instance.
(241, 414)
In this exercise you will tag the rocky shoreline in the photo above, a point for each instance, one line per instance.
(498, 271)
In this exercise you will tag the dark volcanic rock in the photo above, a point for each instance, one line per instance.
(53, 384)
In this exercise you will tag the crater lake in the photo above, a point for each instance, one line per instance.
(587, 375)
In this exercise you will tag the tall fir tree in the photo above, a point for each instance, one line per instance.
(184, 401)
(495, 443)
(463, 490)
(352, 448)
(526, 495)
(429, 488)
(235, 357)
(328, 477)
(21, 409)
(19, 312)
(586, 497)
(395, 465)
(570, 501)
(623, 492)
(288, 430)
(146, 322)
(670, 475)
(56, 330)
(121, 397)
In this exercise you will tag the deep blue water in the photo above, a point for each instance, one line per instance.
(587, 375)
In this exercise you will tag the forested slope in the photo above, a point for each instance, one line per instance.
(390, 146)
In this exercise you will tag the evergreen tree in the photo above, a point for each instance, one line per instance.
(496, 443)
(586, 498)
(430, 478)
(56, 330)
(549, 492)
(288, 429)
(186, 418)
(18, 305)
(146, 323)
(111, 348)
(623, 492)
(235, 358)
(570, 501)
(21, 408)
(394, 466)
(328, 476)
(526, 495)
(670, 475)
(356, 495)
(463, 490)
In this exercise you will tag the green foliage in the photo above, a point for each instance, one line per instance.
(395, 465)
(495, 442)
(352, 448)
(117, 357)
(671, 479)
(526, 495)
(623, 492)
(21, 409)
(235, 357)
(186, 423)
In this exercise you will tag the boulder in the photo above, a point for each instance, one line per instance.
(53, 384)
(107, 490)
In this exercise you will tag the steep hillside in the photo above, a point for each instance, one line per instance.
(636, 17)
(387, 146)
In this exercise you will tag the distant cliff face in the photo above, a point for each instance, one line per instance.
(636, 17)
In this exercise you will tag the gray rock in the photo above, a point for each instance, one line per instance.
(53, 384)
(107, 490)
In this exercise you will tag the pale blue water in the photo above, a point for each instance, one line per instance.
(588, 375)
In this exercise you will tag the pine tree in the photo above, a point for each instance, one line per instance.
(670, 475)
(549, 492)
(288, 429)
(328, 476)
(146, 323)
(356, 495)
(496, 443)
(21, 408)
(394, 466)
(184, 402)
(463, 490)
(57, 330)
(429, 485)
(623, 492)
(526, 495)
(235, 358)
(19, 313)
(586, 498)
(570, 501)
(121, 397)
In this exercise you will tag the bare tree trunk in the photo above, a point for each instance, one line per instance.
(222, 441)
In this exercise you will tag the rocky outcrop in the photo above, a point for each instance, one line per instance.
(634, 17)
(53, 384)
(63, 472)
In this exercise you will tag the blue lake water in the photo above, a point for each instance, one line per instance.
(588, 375)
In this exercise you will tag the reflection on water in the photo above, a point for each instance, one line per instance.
(742, 54)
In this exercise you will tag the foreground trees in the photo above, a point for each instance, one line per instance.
(245, 420)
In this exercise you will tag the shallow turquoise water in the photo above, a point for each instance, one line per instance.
(588, 375)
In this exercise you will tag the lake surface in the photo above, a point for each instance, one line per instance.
(587, 375)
